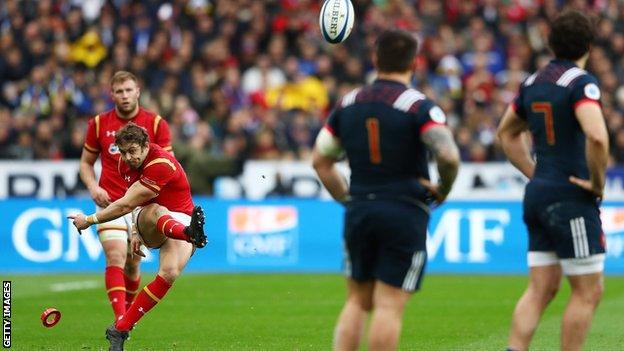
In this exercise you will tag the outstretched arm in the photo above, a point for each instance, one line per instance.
(136, 195)
(439, 140)
(511, 136)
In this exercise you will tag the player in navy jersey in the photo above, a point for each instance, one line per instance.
(560, 106)
(386, 130)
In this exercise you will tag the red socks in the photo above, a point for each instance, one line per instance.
(116, 289)
(171, 228)
(132, 289)
(147, 298)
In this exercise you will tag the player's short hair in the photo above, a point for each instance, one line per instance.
(122, 76)
(395, 50)
(131, 134)
(571, 35)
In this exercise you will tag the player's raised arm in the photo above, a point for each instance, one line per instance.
(512, 138)
(592, 122)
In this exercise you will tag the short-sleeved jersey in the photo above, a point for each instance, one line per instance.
(100, 139)
(163, 174)
(547, 101)
(379, 127)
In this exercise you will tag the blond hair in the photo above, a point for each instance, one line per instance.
(122, 76)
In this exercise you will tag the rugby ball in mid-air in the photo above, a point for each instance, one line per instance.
(336, 20)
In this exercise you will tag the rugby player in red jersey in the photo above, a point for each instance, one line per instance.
(160, 196)
(122, 276)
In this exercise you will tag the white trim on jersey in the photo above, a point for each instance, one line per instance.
(349, 98)
(411, 278)
(568, 76)
(530, 80)
(405, 101)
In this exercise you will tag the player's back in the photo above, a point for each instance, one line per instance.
(379, 128)
(547, 101)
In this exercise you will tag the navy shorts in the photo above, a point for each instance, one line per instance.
(570, 227)
(386, 240)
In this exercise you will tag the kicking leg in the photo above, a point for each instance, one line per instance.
(166, 226)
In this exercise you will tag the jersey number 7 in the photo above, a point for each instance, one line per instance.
(545, 108)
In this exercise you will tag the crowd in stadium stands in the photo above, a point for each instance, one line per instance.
(245, 79)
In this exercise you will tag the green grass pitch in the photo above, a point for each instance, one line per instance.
(291, 312)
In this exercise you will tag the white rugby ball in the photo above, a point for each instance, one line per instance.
(336, 20)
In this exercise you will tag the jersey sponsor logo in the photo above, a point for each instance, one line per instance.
(592, 91)
(113, 149)
(437, 115)
(127, 178)
(110, 133)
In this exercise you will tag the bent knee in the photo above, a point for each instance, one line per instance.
(160, 211)
(544, 292)
(170, 274)
(591, 295)
(363, 303)
(549, 292)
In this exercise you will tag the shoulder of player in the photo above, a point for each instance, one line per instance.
(153, 119)
(575, 77)
(348, 99)
(106, 115)
(410, 101)
(584, 79)
(160, 157)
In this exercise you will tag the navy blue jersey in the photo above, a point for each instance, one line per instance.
(379, 127)
(547, 100)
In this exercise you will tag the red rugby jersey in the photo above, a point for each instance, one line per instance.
(100, 139)
(163, 174)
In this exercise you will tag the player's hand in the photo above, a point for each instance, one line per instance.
(100, 196)
(135, 245)
(587, 185)
(434, 190)
(80, 222)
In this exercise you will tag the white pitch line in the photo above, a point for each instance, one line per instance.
(77, 285)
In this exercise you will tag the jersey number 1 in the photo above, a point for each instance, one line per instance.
(372, 125)
(546, 109)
